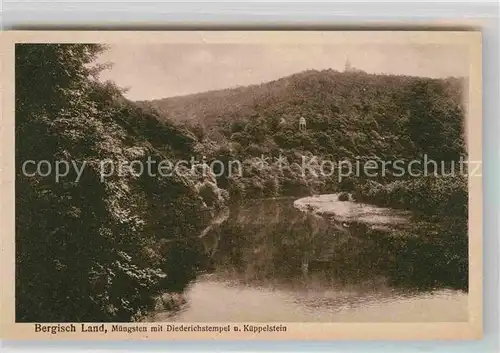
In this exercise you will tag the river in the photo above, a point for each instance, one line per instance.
(258, 272)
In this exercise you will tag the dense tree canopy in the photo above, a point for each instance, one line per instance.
(94, 249)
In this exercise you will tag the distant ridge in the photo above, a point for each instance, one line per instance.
(328, 91)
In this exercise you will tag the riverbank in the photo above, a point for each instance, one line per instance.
(411, 250)
(348, 211)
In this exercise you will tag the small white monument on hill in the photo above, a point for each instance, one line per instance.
(302, 123)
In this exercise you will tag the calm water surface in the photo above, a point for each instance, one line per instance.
(258, 269)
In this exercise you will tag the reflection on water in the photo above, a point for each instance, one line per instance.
(272, 263)
(211, 300)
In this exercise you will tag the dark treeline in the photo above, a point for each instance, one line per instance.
(97, 250)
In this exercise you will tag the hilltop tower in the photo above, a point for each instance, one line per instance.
(348, 66)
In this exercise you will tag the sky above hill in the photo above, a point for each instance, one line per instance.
(164, 70)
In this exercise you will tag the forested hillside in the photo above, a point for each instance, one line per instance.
(347, 113)
(351, 116)
(93, 249)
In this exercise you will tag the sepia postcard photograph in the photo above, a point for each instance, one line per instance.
(228, 185)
